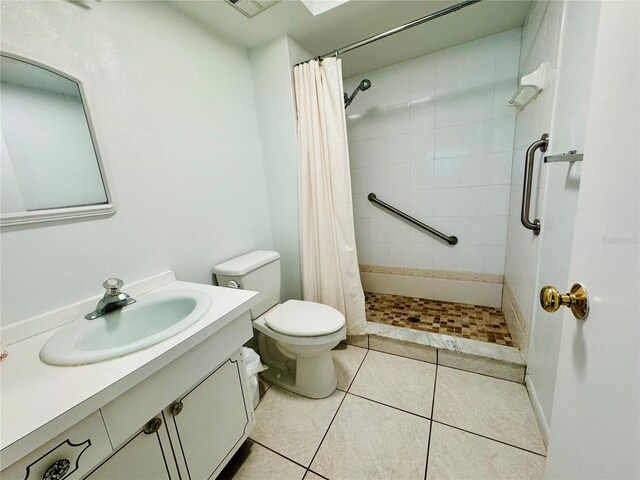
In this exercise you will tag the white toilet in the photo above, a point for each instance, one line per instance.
(295, 338)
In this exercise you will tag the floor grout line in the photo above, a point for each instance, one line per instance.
(404, 356)
(334, 416)
(336, 349)
(433, 403)
(387, 405)
(357, 371)
(278, 453)
(489, 438)
(265, 390)
(483, 374)
(315, 473)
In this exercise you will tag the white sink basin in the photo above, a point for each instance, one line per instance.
(152, 319)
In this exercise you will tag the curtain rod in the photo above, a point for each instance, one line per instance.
(401, 28)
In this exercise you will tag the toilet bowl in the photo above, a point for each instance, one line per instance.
(294, 338)
(303, 334)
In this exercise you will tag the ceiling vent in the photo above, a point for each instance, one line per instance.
(251, 8)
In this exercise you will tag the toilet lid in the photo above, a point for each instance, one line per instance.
(304, 319)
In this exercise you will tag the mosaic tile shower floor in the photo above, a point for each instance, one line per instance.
(474, 322)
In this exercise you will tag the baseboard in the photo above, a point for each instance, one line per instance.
(537, 410)
(453, 287)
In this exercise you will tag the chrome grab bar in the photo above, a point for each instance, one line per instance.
(450, 240)
(541, 145)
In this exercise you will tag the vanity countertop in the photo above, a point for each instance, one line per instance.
(40, 401)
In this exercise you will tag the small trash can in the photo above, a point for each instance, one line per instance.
(253, 365)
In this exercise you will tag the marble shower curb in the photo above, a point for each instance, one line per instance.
(479, 357)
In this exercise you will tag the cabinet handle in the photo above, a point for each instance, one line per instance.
(153, 426)
(57, 470)
(177, 408)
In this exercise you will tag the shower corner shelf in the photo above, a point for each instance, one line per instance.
(530, 86)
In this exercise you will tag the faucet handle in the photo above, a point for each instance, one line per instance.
(112, 286)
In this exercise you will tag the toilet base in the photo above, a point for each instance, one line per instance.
(287, 381)
(306, 371)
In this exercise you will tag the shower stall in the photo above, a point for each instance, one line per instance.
(433, 140)
(431, 146)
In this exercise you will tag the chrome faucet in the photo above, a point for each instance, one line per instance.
(112, 300)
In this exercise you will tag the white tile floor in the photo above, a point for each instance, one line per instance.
(394, 418)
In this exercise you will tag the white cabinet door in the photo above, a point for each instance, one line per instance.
(70, 455)
(146, 456)
(214, 420)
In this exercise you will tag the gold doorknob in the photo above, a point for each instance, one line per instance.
(551, 300)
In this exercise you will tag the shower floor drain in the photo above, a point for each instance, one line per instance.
(414, 319)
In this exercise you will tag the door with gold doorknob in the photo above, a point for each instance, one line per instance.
(595, 423)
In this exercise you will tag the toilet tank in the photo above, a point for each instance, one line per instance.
(258, 271)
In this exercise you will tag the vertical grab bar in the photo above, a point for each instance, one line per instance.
(528, 178)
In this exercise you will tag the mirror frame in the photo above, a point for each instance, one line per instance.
(63, 213)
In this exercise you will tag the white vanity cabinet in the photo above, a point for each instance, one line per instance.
(195, 435)
(183, 422)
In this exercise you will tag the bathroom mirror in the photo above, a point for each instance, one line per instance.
(50, 162)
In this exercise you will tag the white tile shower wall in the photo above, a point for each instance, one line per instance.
(540, 40)
(434, 138)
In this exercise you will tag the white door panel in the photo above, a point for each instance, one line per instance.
(595, 431)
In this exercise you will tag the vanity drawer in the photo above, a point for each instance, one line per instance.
(70, 455)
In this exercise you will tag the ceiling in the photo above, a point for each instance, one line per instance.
(359, 19)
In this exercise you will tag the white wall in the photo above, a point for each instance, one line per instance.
(540, 40)
(174, 108)
(434, 138)
(272, 67)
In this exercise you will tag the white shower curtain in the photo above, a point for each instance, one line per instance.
(330, 273)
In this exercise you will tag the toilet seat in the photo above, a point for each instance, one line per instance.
(304, 319)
